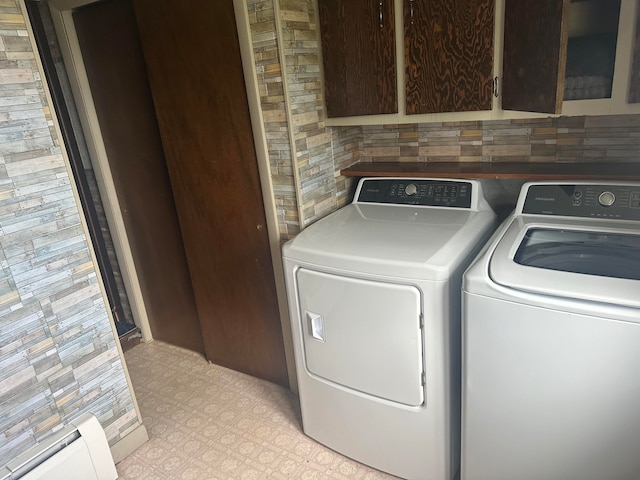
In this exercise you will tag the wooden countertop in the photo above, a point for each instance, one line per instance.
(525, 171)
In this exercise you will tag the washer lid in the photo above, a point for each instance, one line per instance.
(396, 240)
(582, 259)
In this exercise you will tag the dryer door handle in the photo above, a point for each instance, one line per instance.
(316, 326)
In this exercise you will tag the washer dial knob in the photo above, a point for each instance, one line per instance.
(411, 189)
(606, 199)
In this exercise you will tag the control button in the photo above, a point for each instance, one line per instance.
(411, 189)
(606, 199)
(577, 194)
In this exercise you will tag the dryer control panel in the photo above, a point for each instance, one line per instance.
(618, 202)
(432, 193)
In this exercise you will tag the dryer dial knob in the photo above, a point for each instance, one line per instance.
(606, 199)
(411, 189)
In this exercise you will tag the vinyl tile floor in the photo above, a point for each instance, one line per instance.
(208, 422)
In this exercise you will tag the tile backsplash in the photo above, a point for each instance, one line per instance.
(614, 138)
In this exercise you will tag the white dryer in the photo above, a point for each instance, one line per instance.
(551, 339)
(374, 299)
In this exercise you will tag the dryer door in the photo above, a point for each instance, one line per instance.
(363, 335)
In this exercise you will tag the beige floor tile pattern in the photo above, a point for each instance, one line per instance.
(209, 422)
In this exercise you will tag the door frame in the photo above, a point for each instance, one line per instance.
(264, 171)
(61, 11)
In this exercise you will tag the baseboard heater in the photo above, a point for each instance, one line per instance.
(77, 452)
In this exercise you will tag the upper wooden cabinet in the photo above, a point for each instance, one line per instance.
(448, 46)
(546, 56)
(448, 56)
(358, 50)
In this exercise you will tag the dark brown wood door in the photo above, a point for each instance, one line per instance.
(195, 71)
(448, 47)
(115, 67)
(358, 54)
(535, 51)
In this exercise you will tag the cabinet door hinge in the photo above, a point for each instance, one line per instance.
(496, 87)
(421, 321)
(423, 378)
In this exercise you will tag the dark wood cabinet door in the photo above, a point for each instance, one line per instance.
(535, 49)
(448, 47)
(358, 50)
(193, 58)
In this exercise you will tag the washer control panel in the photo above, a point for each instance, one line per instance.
(619, 202)
(432, 193)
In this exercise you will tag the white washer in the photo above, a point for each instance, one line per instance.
(374, 299)
(551, 339)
